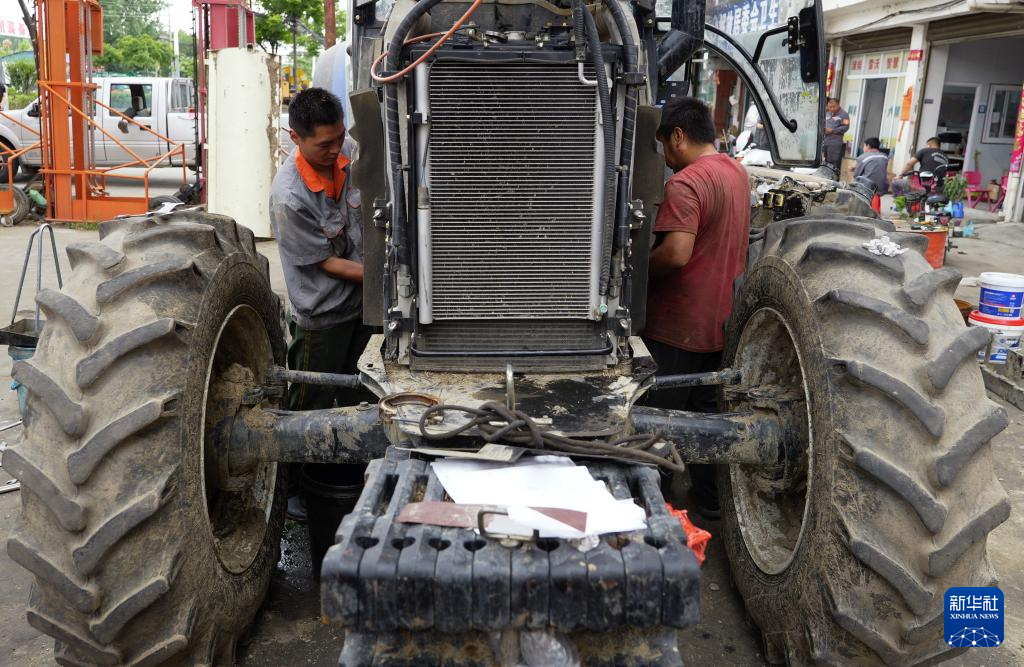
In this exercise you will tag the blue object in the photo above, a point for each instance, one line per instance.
(17, 353)
(973, 617)
(1001, 302)
(957, 209)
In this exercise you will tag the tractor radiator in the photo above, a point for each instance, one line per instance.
(514, 156)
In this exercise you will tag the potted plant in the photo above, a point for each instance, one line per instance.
(900, 204)
(955, 189)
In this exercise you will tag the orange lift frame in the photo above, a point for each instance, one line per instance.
(69, 33)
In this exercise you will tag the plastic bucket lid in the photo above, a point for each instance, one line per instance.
(996, 279)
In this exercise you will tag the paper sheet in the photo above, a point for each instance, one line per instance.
(546, 481)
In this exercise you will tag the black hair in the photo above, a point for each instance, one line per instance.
(935, 140)
(832, 99)
(691, 116)
(313, 107)
(873, 143)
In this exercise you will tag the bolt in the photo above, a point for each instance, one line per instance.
(392, 326)
(624, 323)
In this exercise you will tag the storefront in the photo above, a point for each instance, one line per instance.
(873, 92)
(952, 72)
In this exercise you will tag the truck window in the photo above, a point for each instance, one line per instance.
(132, 99)
(180, 97)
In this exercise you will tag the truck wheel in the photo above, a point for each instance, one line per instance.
(843, 555)
(144, 551)
(7, 164)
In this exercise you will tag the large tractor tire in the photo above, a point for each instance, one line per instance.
(843, 555)
(144, 550)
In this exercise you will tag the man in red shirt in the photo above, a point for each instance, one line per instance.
(702, 233)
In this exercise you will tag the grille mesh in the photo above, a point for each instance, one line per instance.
(511, 217)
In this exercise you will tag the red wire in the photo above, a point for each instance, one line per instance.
(429, 52)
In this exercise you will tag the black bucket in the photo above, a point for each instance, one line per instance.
(331, 491)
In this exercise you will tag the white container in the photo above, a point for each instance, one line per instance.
(1002, 294)
(244, 129)
(1006, 334)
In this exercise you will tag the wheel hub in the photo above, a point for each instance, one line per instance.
(771, 502)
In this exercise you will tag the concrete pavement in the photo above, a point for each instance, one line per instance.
(288, 629)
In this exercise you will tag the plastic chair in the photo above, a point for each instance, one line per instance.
(974, 187)
(997, 204)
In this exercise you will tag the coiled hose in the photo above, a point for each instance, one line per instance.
(495, 422)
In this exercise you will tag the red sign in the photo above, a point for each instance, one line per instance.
(915, 55)
(1017, 156)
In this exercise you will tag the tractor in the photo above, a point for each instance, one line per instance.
(510, 177)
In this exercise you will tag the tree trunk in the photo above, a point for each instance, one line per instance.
(330, 25)
(30, 23)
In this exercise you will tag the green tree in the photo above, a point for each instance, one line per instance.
(132, 17)
(22, 75)
(282, 21)
(137, 54)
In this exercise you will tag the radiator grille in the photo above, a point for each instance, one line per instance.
(511, 191)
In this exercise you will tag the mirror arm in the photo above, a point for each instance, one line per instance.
(764, 38)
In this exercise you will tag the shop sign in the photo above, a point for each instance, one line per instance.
(893, 63)
(857, 65)
(916, 55)
(874, 64)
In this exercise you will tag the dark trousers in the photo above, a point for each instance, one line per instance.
(833, 154)
(334, 350)
(674, 361)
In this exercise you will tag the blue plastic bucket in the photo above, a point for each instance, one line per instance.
(1002, 294)
(17, 353)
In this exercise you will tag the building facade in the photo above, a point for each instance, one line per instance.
(907, 71)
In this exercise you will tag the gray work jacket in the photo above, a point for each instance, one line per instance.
(310, 227)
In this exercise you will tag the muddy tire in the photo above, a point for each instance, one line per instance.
(143, 552)
(844, 557)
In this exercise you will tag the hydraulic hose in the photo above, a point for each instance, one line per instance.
(583, 19)
(633, 82)
(399, 237)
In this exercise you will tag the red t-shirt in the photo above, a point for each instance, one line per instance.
(688, 307)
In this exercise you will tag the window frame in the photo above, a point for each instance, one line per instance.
(128, 86)
(1013, 92)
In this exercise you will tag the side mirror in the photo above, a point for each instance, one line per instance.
(33, 110)
(809, 45)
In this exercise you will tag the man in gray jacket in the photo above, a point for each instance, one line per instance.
(873, 164)
(315, 214)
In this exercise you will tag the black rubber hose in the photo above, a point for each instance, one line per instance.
(582, 15)
(628, 127)
(399, 237)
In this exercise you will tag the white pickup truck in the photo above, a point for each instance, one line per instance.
(165, 105)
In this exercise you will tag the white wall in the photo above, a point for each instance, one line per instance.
(990, 61)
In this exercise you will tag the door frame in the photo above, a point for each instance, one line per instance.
(972, 131)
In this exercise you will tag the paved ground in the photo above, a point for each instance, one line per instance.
(288, 630)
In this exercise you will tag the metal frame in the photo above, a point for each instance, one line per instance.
(70, 33)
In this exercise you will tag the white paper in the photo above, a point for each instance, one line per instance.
(547, 481)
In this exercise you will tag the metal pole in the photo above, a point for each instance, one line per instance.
(295, 55)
